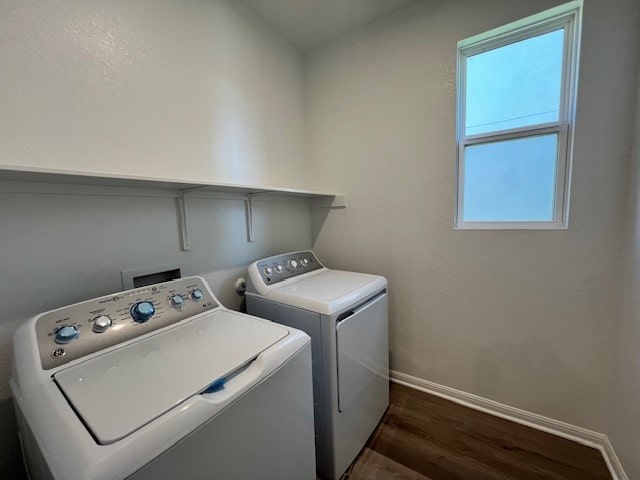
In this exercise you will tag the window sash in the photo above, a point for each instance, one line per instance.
(566, 17)
(561, 172)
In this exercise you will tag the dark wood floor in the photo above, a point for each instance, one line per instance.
(426, 437)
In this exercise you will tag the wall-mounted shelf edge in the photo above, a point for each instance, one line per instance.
(43, 175)
(180, 188)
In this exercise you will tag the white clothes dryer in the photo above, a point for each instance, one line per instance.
(162, 382)
(346, 315)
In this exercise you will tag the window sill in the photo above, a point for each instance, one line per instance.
(510, 226)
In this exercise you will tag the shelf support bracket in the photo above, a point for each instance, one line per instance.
(249, 212)
(182, 218)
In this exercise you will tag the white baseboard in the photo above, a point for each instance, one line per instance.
(574, 433)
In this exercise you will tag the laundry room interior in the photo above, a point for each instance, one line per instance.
(207, 135)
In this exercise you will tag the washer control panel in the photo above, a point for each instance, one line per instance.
(281, 267)
(84, 328)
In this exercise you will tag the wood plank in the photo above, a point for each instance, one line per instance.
(439, 439)
(370, 465)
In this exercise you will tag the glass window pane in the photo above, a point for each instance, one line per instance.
(512, 180)
(515, 85)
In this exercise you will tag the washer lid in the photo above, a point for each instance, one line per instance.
(327, 291)
(124, 389)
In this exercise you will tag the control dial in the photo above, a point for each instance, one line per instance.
(196, 294)
(268, 271)
(101, 324)
(292, 265)
(142, 311)
(66, 333)
(279, 268)
(176, 301)
(304, 262)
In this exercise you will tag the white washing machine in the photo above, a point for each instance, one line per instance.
(162, 382)
(346, 315)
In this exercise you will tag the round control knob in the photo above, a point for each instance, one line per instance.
(196, 294)
(304, 262)
(176, 301)
(142, 311)
(292, 264)
(268, 271)
(101, 323)
(279, 268)
(65, 334)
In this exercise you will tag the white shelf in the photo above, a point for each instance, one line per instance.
(13, 173)
(123, 184)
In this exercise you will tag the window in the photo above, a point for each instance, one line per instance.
(516, 91)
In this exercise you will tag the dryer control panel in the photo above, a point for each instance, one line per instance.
(87, 327)
(281, 267)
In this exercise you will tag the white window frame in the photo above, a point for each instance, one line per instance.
(567, 16)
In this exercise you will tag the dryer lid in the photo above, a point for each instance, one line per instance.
(120, 391)
(327, 291)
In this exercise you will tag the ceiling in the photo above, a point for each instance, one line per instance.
(310, 23)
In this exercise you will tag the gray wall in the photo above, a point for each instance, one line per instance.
(188, 90)
(625, 428)
(527, 318)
